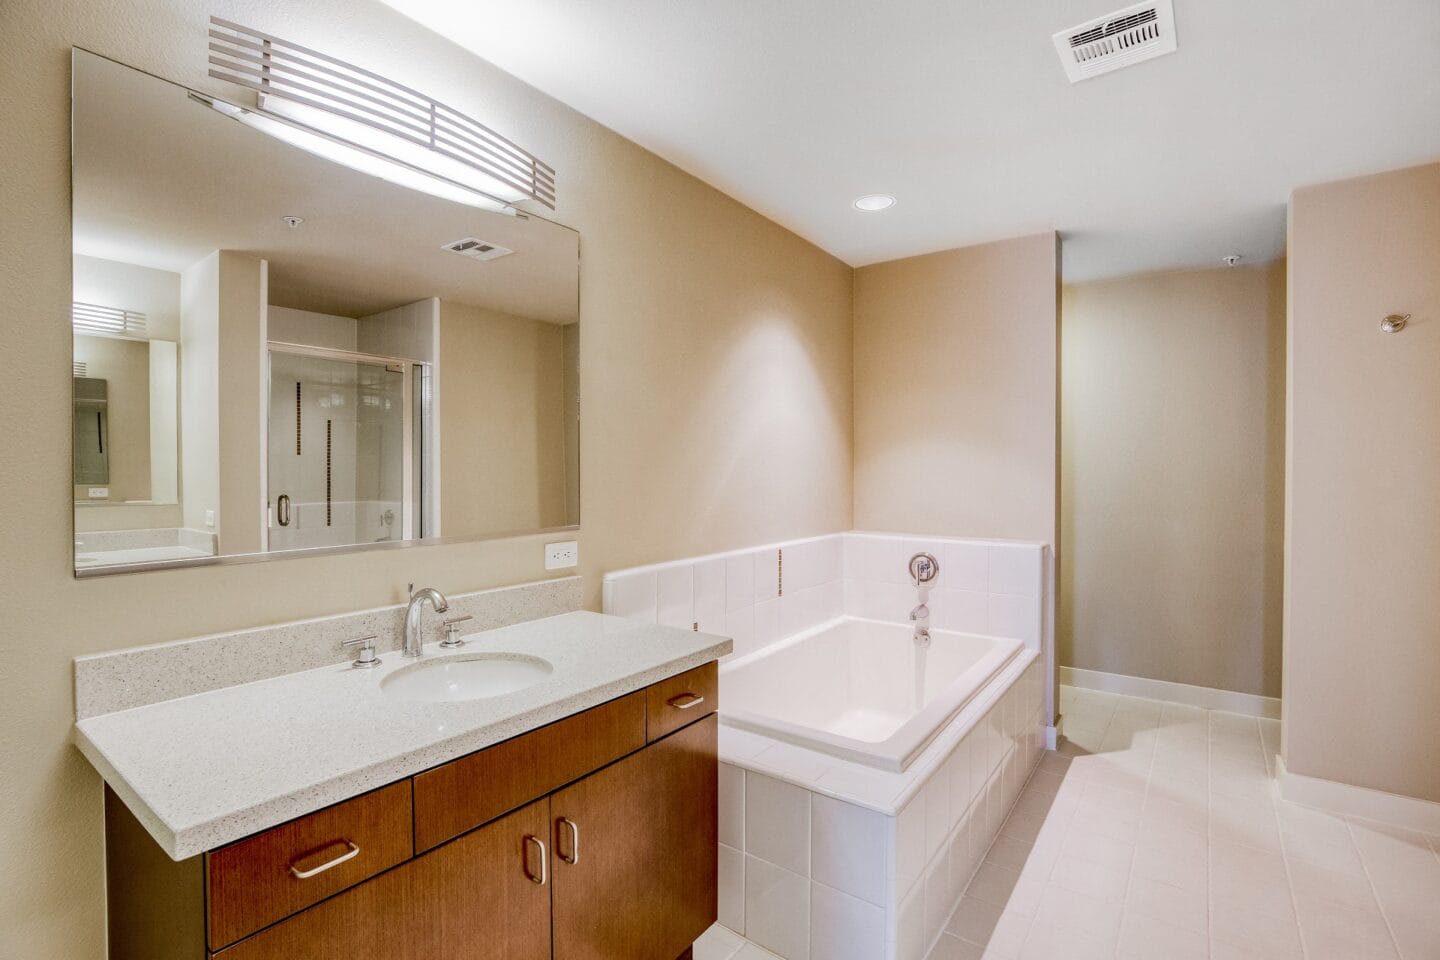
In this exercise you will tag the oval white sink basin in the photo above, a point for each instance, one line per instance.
(467, 677)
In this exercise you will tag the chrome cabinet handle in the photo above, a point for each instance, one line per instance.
(525, 862)
(685, 701)
(350, 854)
(574, 857)
(282, 510)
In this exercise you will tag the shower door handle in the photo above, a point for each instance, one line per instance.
(282, 510)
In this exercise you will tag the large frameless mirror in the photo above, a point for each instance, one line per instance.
(274, 352)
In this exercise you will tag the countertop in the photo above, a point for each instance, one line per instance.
(204, 770)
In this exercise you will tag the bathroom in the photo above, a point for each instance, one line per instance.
(1183, 500)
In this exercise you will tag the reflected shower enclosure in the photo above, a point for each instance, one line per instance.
(346, 457)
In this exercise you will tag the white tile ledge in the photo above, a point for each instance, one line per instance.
(207, 769)
(1362, 803)
(879, 790)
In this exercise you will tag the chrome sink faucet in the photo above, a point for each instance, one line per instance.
(418, 598)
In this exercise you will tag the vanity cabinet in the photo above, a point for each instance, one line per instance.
(591, 838)
(635, 850)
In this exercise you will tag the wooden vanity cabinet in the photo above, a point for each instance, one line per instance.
(635, 851)
(477, 898)
(592, 838)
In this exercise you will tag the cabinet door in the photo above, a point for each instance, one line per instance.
(635, 850)
(476, 898)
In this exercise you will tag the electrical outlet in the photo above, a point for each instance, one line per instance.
(98, 493)
(559, 556)
(210, 519)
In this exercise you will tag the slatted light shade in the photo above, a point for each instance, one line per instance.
(371, 123)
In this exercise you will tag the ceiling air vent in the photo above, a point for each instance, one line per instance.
(477, 249)
(1119, 39)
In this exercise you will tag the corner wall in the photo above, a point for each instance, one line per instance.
(956, 392)
(1172, 477)
(1362, 545)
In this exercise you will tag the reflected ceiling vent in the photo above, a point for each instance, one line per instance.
(477, 249)
(1120, 39)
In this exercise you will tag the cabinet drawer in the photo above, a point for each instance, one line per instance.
(465, 793)
(271, 875)
(681, 700)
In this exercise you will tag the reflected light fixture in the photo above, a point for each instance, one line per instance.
(371, 124)
(873, 202)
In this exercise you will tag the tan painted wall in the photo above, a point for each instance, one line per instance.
(1362, 546)
(1172, 476)
(502, 452)
(715, 368)
(955, 392)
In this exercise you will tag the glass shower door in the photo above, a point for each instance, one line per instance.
(338, 450)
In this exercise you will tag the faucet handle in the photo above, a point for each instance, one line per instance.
(367, 656)
(452, 632)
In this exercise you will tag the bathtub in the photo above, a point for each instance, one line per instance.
(861, 690)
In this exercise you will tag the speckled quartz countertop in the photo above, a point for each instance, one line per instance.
(204, 770)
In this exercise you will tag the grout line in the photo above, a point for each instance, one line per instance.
(1374, 890)
(1289, 876)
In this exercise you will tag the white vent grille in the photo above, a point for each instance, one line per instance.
(1119, 39)
(104, 321)
(477, 249)
(80, 367)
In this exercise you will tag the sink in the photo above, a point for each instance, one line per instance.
(466, 677)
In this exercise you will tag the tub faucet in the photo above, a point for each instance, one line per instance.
(418, 598)
(920, 616)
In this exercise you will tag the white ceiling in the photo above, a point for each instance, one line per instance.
(960, 109)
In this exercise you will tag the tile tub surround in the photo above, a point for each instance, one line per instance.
(826, 860)
(121, 679)
(204, 770)
(989, 587)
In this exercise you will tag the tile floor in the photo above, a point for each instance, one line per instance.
(1155, 834)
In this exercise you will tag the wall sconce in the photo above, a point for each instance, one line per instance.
(369, 123)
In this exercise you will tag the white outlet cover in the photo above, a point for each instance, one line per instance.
(562, 555)
(210, 518)
(98, 493)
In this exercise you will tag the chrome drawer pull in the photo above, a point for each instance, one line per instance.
(350, 854)
(685, 701)
(525, 862)
(574, 857)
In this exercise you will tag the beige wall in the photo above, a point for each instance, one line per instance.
(1362, 546)
(1172, 476)
(502, 453)
(955, 392)
(715, 368)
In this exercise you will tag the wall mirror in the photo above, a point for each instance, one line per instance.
(274, 352)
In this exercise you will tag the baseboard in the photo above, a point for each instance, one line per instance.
(1210, 698)
(1362, 802)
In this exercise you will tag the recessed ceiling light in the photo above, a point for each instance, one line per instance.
(872, 202)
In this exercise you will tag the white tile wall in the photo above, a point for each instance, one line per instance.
(758, 596)
(822, 877)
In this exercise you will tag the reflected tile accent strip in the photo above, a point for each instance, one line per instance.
(134, 677)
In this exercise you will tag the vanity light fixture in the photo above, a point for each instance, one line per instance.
(369, 123)
(874, 202)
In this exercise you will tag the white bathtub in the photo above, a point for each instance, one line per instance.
(860, 689)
